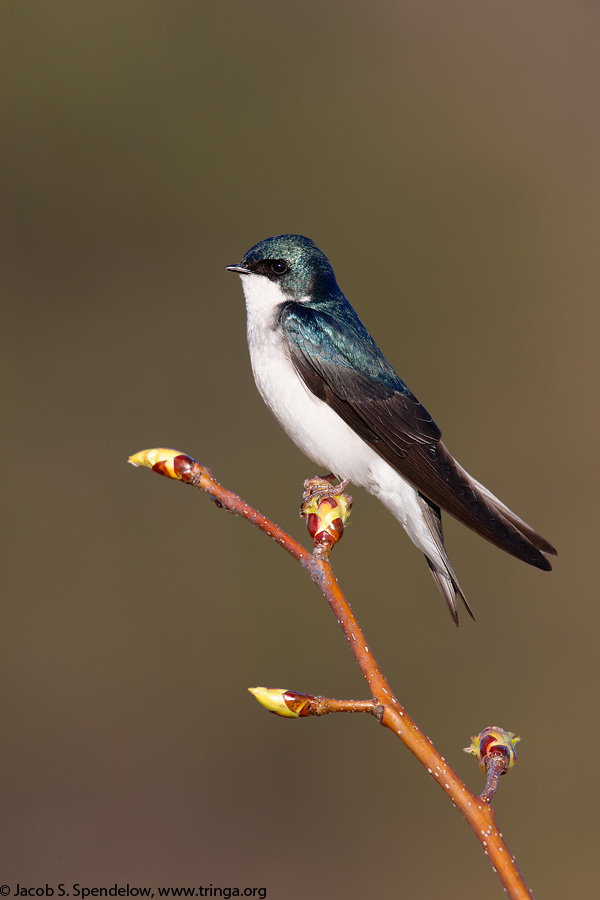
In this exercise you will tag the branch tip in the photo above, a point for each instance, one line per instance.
(494, 749)
(281, 702)
(165, 461)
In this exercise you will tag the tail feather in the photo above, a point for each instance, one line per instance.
(474, 505)
(539, 542)
(444, 577)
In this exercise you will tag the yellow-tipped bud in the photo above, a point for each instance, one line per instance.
(326, 517)
(289, 704)
(163, 460)
(491, 742)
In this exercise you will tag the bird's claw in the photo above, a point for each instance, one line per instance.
(321, 486)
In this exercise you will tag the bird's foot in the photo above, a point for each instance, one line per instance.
(321, 486)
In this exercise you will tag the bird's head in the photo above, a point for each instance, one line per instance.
(293, 263)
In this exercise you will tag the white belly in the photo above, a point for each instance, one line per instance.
(313, 426)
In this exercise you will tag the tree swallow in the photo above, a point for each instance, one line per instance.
(333, 391)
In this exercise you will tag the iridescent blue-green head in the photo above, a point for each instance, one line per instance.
(294, 263)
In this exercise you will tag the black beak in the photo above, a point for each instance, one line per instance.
(241, 270)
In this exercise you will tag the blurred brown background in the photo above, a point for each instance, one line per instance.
(445, 157)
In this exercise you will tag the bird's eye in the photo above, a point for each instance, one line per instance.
(279, 266)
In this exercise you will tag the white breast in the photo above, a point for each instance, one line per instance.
(313, 426)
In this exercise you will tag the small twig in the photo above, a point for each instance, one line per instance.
(478, 813)
(293, 704)
(496, 767)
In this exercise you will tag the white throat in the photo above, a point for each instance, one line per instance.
(262, 295)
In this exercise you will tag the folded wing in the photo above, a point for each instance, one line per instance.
(339, 362)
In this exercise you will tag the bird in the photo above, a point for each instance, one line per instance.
(338, 398)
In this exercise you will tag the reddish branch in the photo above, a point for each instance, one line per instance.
(478, 812)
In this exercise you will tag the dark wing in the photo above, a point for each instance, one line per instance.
(339, 362)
